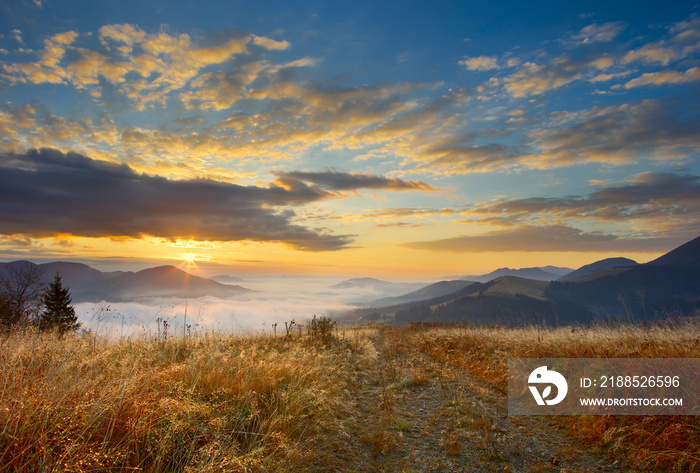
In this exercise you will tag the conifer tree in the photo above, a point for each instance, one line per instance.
(58, 312)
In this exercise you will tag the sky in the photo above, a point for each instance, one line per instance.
(404, 140)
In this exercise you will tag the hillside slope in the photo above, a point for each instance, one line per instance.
(668, 286)
(431, 291)
(602, 265)
(87, 284)
(547, 273)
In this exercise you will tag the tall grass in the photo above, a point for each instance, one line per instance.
(668, 442)
(224, 402)
(216, 403)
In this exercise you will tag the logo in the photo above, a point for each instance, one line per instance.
(543, 376)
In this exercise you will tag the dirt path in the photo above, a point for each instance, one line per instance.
(423, 416)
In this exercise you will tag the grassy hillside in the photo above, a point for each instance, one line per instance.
(508, 301)
(644, 293)
(511, 285)
(222, 402)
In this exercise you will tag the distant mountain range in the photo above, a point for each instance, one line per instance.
(428, 292)
(614, 288)
(396, 292)
(225, 279)
(377, 287)
(545, 273)
(610, 289)
(87, 284)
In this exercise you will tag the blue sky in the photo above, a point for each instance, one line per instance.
(396, 138)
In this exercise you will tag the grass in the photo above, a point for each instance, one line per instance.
(218, 402)
(658, 442)
(224, 402)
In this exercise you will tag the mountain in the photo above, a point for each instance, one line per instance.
(388, 313)
(666, 287)
(560, 270)
(602, 265)
(428, 292)
(360, 282)
(509, 301)
(515, 286)
(547, 273)
(372, 288)
(687, 254)
(168, 281)
(225, 279)
(87, 284)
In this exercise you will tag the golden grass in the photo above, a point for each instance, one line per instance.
(668, 442)
(223, 402)
(216, 403)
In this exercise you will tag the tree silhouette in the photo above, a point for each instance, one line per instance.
(21, 287)
(58, 313)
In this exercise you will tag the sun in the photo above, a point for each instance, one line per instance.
(190, 260)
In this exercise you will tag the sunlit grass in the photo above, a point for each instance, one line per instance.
(225, 402)
(218, 402)
(670, 442)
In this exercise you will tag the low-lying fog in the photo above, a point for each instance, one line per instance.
(275, 300)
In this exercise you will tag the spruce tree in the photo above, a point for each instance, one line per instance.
(58, 313)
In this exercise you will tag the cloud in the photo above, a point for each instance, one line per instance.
(47, 68)
(22, 117)
(651, 202)
(145, 67)
(665, 77)
(480, 63)
(540, 238)
(345, 181)
(48, 193)
(404, 212)
(535, 79)
(458, 158)
(660, 206)
(123, 33)
(17, 35)
(619, 135)
(399, 225)
(216, 72)
(683, 42)
(222, 89)
(272, 109)
(599, 33)
(592, 54)
(268, 43)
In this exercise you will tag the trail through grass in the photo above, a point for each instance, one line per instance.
(421, 398)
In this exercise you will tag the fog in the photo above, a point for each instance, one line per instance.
(275, 300)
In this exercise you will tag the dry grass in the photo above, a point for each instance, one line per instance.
(216, 403)
(259, 403)
(659, 442)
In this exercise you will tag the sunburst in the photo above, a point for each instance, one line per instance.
(189, 260)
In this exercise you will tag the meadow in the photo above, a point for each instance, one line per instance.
(317, 399)
(656, 442)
